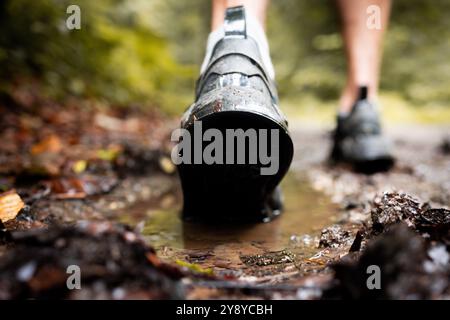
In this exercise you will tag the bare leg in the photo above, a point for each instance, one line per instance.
(363, 47)
(257, 7)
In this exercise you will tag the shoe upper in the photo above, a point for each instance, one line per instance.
(236, 61)
(358, 136)
(235, 79)
(362, 120)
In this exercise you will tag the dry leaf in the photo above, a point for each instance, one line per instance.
(81, 187)
(167, 165)
(50, 144)
(10, 205)
(109, 154)
(79, 166)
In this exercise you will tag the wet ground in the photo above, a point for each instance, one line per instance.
(335, 220)
(237, 249)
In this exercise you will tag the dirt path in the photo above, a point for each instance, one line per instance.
(128, 178)
(325, 207)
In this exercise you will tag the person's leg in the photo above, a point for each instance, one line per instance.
(257, 8)
(358, 138)
(363, 47)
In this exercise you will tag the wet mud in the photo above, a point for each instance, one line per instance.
(109, 200)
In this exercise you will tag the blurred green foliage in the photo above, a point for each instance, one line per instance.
(149, 51)
(416, 61)
(115, 56)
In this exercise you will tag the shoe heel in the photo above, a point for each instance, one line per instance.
(230, 191)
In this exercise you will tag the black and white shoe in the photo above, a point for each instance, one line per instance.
(358, 138)
(235, 92)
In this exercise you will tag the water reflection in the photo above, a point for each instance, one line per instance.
(306, 212)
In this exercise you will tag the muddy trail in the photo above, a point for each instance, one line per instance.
(95, 187)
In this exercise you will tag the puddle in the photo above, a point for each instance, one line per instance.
(228, 247)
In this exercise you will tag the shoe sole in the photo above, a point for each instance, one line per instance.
(372, 166)
(233, 192)
(372, 156)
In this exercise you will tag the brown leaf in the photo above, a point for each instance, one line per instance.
(46, 278)
(10, 205)
(67, 188)
(167, 165)
(79, 188)
(51, 143)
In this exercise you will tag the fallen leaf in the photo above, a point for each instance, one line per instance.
(67, 188)
(166, 165)
(79, 166)
(10, 205)
(154, 260)
(194, 267)
(79, 188)
(47, 277)
(51, 143)
(109, 154)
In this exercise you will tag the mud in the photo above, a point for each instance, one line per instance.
(113, 264)
(232, 249)
(407, 270)
(113, 172)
